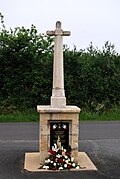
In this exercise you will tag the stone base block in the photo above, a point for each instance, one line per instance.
(32, 161)
(58, 102)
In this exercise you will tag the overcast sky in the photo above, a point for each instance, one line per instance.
(94, 21)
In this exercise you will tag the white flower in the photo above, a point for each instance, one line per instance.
(65, 150)
(58, 156)
(66, 156)
(55, 145)
(73, 164)
(66, 161)
(48, 160)
(77, 167)
(51, 161)
(54, 164)
(60, 168)
(72, 159)
(54, 148)
(46, 167)
(65, 165)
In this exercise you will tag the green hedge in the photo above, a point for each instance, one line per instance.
(92, 76)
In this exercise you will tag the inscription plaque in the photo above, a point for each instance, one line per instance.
(60, 129)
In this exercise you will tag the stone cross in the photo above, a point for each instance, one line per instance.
(58, 98)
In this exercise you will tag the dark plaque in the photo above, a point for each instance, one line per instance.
(60, 129)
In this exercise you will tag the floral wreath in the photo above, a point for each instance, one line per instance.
(60, 158)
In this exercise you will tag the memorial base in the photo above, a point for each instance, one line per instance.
(32, 163)
(58, 118)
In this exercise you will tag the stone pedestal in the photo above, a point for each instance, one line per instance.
(69, 114)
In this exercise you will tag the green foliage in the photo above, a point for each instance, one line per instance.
(26, 67)
(92, 76)
(7, 108)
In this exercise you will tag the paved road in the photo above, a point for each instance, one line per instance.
(101, 141)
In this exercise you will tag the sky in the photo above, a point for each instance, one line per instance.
(95, 21)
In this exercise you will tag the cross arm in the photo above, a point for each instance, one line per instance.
(58, 32)
(66, 33)
(50, 32)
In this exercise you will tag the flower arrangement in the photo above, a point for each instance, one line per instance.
(60, 158)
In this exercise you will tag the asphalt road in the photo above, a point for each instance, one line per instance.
(100, 140)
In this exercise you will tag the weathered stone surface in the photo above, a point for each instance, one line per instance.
(48, 109)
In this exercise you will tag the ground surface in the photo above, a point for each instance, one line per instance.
(100, 140)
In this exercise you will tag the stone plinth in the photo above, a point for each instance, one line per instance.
(48, 114)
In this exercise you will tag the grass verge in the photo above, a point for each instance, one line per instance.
(32, 117)
(111, 115)
(84, 116)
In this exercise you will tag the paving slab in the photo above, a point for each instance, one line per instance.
(32, 162)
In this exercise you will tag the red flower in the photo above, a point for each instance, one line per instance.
(68, 153)
(60, 151)
(68, 166)
(52, 152)
(51, 158)
(60, 160)
(54, 169)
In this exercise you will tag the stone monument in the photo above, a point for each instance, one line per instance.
(58, 114)
(57, 120)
